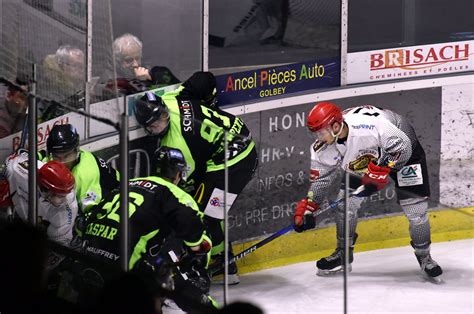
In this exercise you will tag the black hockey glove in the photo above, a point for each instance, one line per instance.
(195, 260)
(156, 271)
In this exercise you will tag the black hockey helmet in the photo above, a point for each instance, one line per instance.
(169, 161)
(202, 85)
(148, 109)
(62, 138)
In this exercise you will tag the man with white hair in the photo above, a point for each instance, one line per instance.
(127, 51)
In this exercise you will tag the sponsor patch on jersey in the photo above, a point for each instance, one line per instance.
(364, 126)
(410, 175)
(215, 205)
(144, 184)
(361, 163)
(319, 146)
(187, 115)
(69, 214)
(91, 197)
(101, 252)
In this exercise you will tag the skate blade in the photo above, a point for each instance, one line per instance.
(231, 279)
(332, 272)
(435, 280)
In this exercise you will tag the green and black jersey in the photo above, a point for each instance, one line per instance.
(198, 131)
(156, 207)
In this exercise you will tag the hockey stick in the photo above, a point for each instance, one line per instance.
(247, 18)
(281, 232)
(24, 132)
(245, 22)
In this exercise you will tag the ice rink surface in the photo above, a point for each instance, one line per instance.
(381, 281)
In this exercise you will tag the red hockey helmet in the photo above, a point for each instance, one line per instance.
(322, 115)
(56, 178)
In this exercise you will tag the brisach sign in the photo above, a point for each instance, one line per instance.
(389, 64)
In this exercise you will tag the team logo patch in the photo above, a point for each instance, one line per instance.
(361, 163)
(410, 175)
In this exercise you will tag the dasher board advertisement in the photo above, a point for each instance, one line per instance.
(282, 80)
(407, 62)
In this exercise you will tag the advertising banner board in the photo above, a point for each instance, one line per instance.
(407, 62)
(283, 80)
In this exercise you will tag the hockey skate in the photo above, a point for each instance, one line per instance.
(334, 263)
(217, 270)
(431, 270)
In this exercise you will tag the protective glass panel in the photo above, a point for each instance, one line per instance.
(156, 42)
(254, 34)
(407, 23)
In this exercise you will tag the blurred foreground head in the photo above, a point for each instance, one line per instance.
(23, 251)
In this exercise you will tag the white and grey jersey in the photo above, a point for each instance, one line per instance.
(374, 134)
(61, 219)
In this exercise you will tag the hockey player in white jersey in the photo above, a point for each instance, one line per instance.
(57, 205)
(374, 144)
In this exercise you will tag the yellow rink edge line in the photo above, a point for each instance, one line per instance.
(374, 234)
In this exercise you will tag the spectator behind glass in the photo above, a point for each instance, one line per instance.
(13, 105)
(128, 57)
(71, 62)
(62, 79)
(132, 77)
